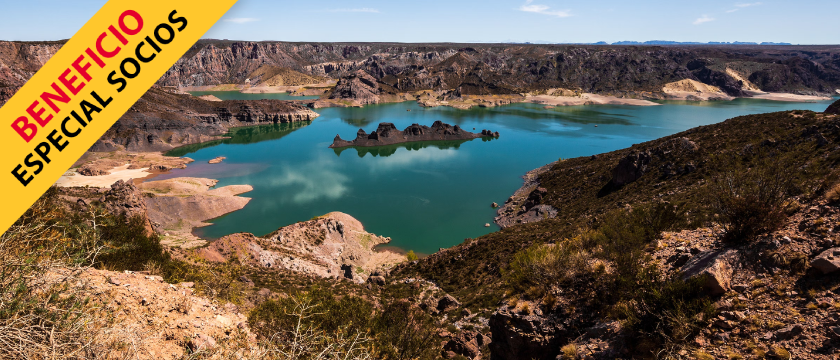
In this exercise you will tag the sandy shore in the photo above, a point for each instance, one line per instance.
(291, 90)
(585, 99)
(118, 173)
(789, 97)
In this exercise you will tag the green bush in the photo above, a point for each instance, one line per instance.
(411, 256)
(750, 194)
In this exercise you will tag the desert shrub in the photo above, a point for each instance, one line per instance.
(665, 311)
(41, 315)
(280, 322)
(749, 195)
(126, 246)
(411, 256)
(403, 331)
(543, 266)
(295, 328)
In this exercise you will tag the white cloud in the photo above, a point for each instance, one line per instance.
(360, 10)
(241, 20)
(543, 9)
(740, 6)
(703, 19)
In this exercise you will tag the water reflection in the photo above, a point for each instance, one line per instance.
(319, 179)
(244, 135)
(388, 150)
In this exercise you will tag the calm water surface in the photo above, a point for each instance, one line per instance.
(425, 195)
(236, 95)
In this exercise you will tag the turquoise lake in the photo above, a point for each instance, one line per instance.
(425, 195)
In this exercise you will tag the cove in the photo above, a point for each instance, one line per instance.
(429, 195)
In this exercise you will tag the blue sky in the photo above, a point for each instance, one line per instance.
(800, 22)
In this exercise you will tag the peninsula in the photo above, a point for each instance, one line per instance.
(387, 134)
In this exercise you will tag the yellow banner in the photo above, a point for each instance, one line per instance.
(87, 86)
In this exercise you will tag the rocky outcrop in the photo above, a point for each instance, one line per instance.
(833, 108)
(630, 168)
(526, 204)
(517, 335)
(387, 134)
(332, 246)
(714, 267)
(467, 343)
(359, 87)
(125, 198)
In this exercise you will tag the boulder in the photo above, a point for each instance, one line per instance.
(467, 343)
(788, 332)
(526, 336)
(201, 342)
(447, 303)
(376, 280)
(828, 261)
(714, 266)
(630, 168)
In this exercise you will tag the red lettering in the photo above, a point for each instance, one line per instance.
(95, 57)
(21, 125)
(69, 82)
(102, 51)
(118, 35)
(48, 97)
(37, 114)
(82, 69)
(136, 17)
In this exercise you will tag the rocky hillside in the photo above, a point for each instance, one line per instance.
(481, 69)
(708, 244)
(493, 69)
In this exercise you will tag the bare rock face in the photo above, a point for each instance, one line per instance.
(833, 109)
(359, 87)
(125, 198)
(525, 336)
(525, 206)
(828, 261)
(715, 266)
(331, 246)
(630, 168)
(387, 134)
(467, 343)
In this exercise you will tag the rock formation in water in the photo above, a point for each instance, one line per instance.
(387, 134)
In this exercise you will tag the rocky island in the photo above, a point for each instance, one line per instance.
(387, 134)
